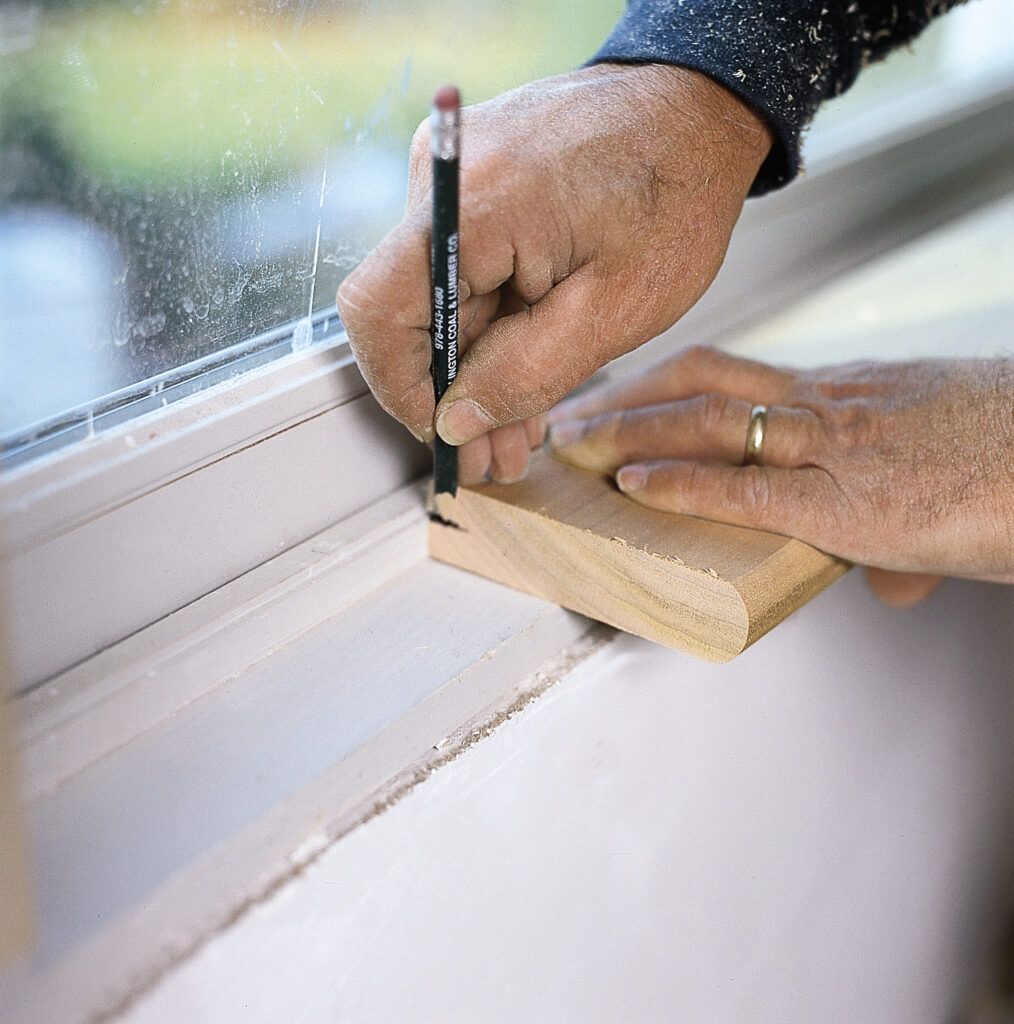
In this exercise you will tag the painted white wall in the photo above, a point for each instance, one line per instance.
(819, 831)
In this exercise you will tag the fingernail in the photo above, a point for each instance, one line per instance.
(463, 421)
(560, 412)
(632, 478)
(567, 432)
(421, 437)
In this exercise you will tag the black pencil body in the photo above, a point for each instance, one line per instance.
(444, 330)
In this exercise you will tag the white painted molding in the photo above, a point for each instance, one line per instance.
(168, 507)
(187, 772)
(56, 493)
(16, 911)
(110, 699)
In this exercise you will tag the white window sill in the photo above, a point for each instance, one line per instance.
(188, 771)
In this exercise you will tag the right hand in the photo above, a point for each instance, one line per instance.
(596, 208)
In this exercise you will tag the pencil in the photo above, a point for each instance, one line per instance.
(445, 145)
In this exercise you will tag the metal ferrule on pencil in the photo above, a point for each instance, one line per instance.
(444, 134)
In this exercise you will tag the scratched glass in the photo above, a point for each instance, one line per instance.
(185, 181)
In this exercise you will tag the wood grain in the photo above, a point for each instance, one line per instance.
(571, 537)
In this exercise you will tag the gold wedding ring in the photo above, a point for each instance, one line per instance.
(755, 436)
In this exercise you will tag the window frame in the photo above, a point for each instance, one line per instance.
(216, 456)
(125, 404)
(117, 531)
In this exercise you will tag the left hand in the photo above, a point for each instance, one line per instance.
(903, 467)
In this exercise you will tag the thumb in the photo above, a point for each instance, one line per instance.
(522, 364)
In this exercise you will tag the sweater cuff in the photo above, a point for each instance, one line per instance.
(783, 57)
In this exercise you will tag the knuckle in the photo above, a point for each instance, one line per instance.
(690, 361)
(817, 441)
(420, 140)
(621, 425)
(696, 482)
(696, 363)
(750, 489)
(849, 424)
(802, 437)
(828, 511)
(698, 354)
(357, 304)
(713, 410)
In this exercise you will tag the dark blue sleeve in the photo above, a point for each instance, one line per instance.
(783, 57)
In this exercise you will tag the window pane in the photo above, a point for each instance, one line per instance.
(178, 177)
(183, 180)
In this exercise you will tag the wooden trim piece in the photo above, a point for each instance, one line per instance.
(571, 537)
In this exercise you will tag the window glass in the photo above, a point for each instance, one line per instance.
(183, 183)
(179, 177)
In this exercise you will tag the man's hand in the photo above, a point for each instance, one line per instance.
(596, 208)
(900, 466)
